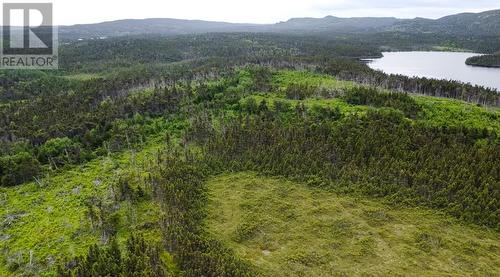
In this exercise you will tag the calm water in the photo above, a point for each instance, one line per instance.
(438, 65)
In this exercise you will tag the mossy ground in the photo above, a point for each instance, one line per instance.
(50, 219)
(288, 229)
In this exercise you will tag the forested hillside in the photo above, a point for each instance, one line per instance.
(111, 165)
(475, 24)
(485, 23)
(485, 60)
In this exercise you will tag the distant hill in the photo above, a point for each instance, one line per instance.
(336, 24)
(164, 26)
(485, 23)
(481, 24)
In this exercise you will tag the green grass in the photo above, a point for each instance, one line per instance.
(289, 229)
(82, 76)
(50, 220)
(436, 111)
(449, 112)
(344, 107)
(449, 49)
(284, 78)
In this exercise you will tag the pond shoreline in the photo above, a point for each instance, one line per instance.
(437, 65)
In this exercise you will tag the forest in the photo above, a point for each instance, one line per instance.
(109, 165)
(484, 60)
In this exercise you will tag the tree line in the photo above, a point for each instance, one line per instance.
(484, 60)
(380, 154)
(360, 73)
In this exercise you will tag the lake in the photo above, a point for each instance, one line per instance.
(438, 65)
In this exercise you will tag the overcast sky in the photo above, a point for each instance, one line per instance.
(68, 12)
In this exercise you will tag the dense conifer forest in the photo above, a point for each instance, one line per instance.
(485, 60)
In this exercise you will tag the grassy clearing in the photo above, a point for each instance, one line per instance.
(288, 229)
(82, 76)
(449, 49)
(436, 111)
(451, 112)
(284, 78)
(50, 219)
(344, 107)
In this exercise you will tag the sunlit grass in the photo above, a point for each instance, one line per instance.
(288, 229)
(435, 111)
(82, 76)
(284, 78)
(50, 221)
(449, 112)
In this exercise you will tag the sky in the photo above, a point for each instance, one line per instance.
(69, 12)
